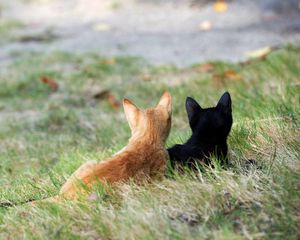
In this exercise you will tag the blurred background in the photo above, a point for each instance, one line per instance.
(66, 65)
(179, 32)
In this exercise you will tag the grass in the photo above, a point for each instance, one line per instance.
(46, 135)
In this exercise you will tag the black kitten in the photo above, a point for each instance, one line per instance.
(210, 128)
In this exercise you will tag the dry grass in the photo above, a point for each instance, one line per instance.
(45, 136)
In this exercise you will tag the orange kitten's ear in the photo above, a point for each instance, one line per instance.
(166, 102)
(131, 112)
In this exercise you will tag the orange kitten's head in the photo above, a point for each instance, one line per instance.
(151, 123)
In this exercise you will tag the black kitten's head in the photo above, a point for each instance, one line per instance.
(212, 124)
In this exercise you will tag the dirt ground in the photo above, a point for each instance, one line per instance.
(177, 32)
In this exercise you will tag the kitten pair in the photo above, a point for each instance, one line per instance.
(145, 156)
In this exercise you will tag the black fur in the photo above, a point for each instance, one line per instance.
(210, 129)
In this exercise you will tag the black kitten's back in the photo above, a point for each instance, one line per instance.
(210, 129)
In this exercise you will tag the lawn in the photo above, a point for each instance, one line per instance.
(46, 134)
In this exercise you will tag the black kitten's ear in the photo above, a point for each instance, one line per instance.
(225, 102)
(192, 109)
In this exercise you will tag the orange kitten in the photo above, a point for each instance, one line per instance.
(143, 158)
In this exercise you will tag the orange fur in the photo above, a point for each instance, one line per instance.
(142, 159)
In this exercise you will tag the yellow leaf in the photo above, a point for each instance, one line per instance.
(220, 6)
(206, 67)
(231, 74)
(260, 53)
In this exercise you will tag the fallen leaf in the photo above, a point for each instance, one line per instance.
(205, 25)
(231, 74)
(107, 95)
(47, 36)
(53, 85)
(220, 79)
(206, 67)
(228, 74)
(246, 62)
(101, 95)
(260, 53)
(220, 6)
(113, 102)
